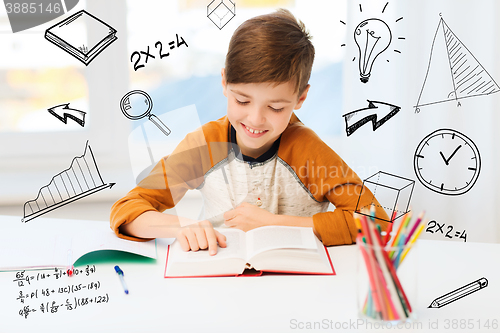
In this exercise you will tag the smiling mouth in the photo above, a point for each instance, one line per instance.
(253, 131)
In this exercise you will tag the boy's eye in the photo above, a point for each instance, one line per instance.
(276, 110)
(241, 103)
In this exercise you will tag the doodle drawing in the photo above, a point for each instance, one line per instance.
(70, 35)
(81, 179)
(220, 12)
(376, 112)
(372, 37)
(447, 162)
(134, 101)
(465, 76)
(63, 112)
(393, 194)
(459, 293)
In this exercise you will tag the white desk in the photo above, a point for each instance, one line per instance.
(257, 304)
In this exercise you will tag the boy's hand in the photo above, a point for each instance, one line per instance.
(247, 217)
(200, 235)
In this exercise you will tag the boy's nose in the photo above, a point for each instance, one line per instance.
(256, 117)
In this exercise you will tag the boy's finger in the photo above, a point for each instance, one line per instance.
(230, 214)
(212, 241)
(201, 238)
(183, 243)
(221, 239)
(193, 243)
(230, 223)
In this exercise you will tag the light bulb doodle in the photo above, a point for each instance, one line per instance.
(132, 103)
(373, 37)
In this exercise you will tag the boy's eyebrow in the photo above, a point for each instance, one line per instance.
(279, 100)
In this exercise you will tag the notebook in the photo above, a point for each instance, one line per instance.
(71, 36)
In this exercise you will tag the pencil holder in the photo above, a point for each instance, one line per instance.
(386, 283)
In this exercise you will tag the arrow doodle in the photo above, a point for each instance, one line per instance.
(376, 110)
(63, 112)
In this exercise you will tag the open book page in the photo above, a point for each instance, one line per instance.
(228, 260)
(235, 240)
(279, 237)
(294, 260)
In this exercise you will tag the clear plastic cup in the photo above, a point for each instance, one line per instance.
(386, 283)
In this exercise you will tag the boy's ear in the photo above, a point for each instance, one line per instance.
(302, 98)
(224, 85)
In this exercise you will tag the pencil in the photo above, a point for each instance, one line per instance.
(399, 235)
(371, 277)
(391, 224)
(401, 226)
(403, 307)
(415, 226)
(377, 296)
(459, 293)
(412, 241)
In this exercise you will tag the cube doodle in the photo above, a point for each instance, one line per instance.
(220, 12)
(393, 194)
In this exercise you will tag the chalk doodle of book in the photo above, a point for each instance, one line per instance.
(453, 72)
(81, 179)
(71, 36)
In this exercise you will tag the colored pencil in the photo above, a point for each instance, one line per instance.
(391, 278)
(415, 226)
(413, 240)
(378, 300)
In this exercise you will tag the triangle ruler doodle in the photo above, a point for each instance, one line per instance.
(453, 72)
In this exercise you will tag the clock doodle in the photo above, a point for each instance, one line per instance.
(447, 162)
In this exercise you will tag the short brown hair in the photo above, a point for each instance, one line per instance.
(270, 48)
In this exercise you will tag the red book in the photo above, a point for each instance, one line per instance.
(270, 249)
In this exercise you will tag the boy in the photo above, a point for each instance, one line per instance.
(257, 166)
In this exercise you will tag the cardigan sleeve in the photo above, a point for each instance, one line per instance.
(328, 178)
(166, 184)
(338, 227)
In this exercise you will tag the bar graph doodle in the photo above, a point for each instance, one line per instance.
(81, 179)
(467, 77)
(376, 112)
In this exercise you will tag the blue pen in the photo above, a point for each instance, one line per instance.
(122, 280)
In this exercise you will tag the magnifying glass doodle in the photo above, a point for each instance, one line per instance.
(133, 103)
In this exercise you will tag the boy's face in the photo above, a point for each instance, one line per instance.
(260, 112)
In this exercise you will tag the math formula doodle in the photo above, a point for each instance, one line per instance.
(161, 52)
(434, 227)
(37, 293)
